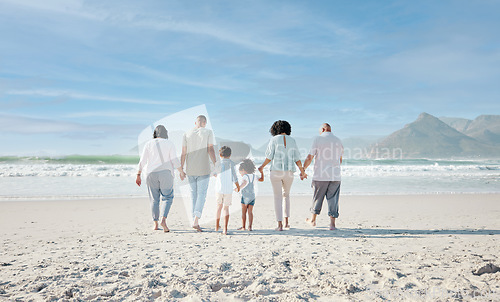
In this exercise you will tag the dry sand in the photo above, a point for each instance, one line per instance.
(417, 248)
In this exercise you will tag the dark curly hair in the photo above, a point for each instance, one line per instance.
(225, 151)
(280, 127)
(160, 131)
(247, 165)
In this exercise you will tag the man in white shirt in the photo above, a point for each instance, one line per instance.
(197, 151)
(327, 150)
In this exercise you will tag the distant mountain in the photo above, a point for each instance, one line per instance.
(430, 137)
(240, 150)
(360, 142)
(485, 128)
(460, 124)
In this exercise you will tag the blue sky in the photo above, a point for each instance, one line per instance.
(87, 76)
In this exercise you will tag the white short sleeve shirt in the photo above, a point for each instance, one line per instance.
(327, 150)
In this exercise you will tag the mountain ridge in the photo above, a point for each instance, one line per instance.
(429, 136)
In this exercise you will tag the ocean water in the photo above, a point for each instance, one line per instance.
(74, 177)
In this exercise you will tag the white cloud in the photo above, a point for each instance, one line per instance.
(262, 32)
(224, 83)
(83, 96)
(29, 125)
(113, 114)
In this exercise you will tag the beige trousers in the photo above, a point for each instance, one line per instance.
(281, 182)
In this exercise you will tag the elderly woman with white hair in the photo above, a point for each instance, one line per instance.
(158, 161)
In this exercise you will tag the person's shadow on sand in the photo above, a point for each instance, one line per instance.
(324, 232)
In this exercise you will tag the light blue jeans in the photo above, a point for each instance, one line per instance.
(160, 183)
(199, 187)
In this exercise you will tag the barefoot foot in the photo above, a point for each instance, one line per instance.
(279, 229)
(165, 228)
(241, 229)
(197, 228)
(311, 222)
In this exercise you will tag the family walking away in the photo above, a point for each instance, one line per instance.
(159, 161)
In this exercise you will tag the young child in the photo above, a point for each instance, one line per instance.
(224, 187)
(247, 187)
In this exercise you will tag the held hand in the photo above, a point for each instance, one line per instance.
(138, 180)
(303, 175)
(182, 175)
(261, 170)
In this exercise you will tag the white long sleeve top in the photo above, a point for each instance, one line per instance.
(158, 154)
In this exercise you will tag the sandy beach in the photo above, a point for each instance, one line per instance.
(387, 248)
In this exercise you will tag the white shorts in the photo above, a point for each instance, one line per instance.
(224, 199)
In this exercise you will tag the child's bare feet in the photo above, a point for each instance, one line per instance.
(287, 226)
(332, 227)
(280, 228)
(242, 229)
(311, 222)
(250, 229)
(217, 228)
(224, 232)
(197, 228)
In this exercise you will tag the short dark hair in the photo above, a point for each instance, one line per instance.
(280, 127)
(225, 151)
(161, 132)
(247, 165)
(202, 118)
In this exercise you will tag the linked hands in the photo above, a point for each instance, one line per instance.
(182, 175)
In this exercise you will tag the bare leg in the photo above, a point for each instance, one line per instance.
(312, 220)
(196, 225)
(226, 219)
(332, 223)
(217, 217)
(250, 217)
(156, 226)
(164, 225)
(243, 216)
(287, 225)
(280, 226)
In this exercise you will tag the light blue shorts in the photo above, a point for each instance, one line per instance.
(251, 203)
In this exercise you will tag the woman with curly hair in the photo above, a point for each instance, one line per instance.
(283, 154)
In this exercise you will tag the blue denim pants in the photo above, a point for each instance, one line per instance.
(199, 187)
(160, 184)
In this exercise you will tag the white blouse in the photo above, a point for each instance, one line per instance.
(159, 154)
